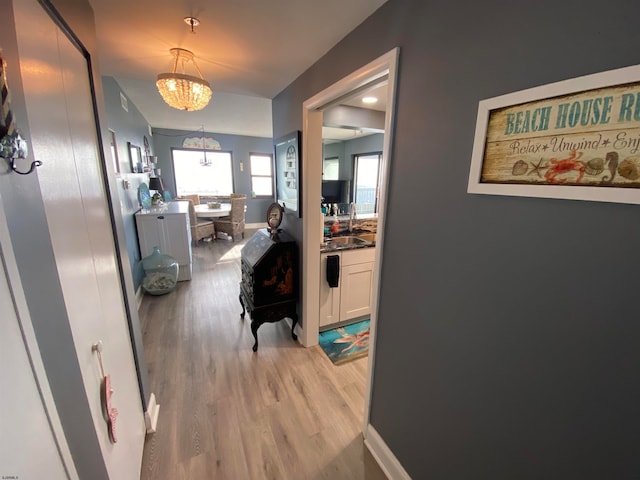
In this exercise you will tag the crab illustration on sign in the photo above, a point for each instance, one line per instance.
(564, 167)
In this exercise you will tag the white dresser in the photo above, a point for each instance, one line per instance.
(168, 228)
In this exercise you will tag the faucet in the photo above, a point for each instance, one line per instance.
(352, 215)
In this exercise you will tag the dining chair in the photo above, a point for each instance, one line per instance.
(200, 227)
(195, 198)
(233, 225)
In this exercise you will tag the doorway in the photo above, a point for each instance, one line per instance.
(312, 119)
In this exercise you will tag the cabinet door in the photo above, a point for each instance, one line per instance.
(176, 238)
(355, 292)
(329, 297)
(149, 234)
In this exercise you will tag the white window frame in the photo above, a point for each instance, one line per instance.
(270, 177)
(355, 178)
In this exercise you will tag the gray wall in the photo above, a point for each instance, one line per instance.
(357, 146)
(333, 150)
(507, 337)
(240, 147)
(129, 126)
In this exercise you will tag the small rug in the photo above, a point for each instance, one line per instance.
(347, 343)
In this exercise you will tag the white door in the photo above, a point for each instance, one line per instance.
(63, 134)
(29, 442)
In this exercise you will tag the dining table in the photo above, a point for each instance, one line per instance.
(203, 211)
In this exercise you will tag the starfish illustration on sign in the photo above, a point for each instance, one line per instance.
(538, 167)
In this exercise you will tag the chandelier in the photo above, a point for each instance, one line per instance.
(182, 91)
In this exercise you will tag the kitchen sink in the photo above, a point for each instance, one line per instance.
(346, 241)
(367, 237)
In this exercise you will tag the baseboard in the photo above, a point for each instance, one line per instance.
(151, 415)
(255, 225)
(384, 456)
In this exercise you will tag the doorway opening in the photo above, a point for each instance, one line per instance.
(382, 69)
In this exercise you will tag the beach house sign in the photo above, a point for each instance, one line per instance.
(577, 139)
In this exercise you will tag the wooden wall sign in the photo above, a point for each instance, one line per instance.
(576, 139)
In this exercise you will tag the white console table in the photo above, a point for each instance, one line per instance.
(168, 228)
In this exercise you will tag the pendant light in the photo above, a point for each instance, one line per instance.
(182, 91)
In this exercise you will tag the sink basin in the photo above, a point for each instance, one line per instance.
(367, 237)
(346, 241)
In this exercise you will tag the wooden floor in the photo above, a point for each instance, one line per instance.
(285, 412)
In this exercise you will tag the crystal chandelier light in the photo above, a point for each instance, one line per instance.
(182, 91)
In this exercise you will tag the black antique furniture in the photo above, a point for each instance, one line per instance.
(269, 287)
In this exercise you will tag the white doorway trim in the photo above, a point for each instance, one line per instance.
(386, 64)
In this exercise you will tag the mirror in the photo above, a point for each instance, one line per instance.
(351, 160)
(352, 144)
(135, 158)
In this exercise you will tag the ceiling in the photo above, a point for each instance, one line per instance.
(248, 50)
(331, 134)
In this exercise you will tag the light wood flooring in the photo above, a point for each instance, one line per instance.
(285, 412)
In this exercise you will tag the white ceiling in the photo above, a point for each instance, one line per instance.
(249, 50)
(378, 91)
(341, 134)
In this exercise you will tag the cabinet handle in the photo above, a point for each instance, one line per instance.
(160, 217)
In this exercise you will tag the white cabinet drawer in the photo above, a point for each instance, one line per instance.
(358, 255)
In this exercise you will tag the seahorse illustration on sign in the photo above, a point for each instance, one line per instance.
(612, 163)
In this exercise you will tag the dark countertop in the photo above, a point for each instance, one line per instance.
(328, 246)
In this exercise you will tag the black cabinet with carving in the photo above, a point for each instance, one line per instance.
(269, 286)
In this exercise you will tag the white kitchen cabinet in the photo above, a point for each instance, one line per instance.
(169, 229)
(355, 292)
(353, 295)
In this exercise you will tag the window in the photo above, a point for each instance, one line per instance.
(261, 174)
(367, 168)
(202, 172)
(331, 168)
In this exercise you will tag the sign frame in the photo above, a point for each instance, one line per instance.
(584, 84)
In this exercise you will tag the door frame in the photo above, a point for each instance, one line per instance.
(312, 119)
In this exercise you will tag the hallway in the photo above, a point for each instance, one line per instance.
(285, 412)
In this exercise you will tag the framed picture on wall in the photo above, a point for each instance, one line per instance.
(288, 172)
(576, 139)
